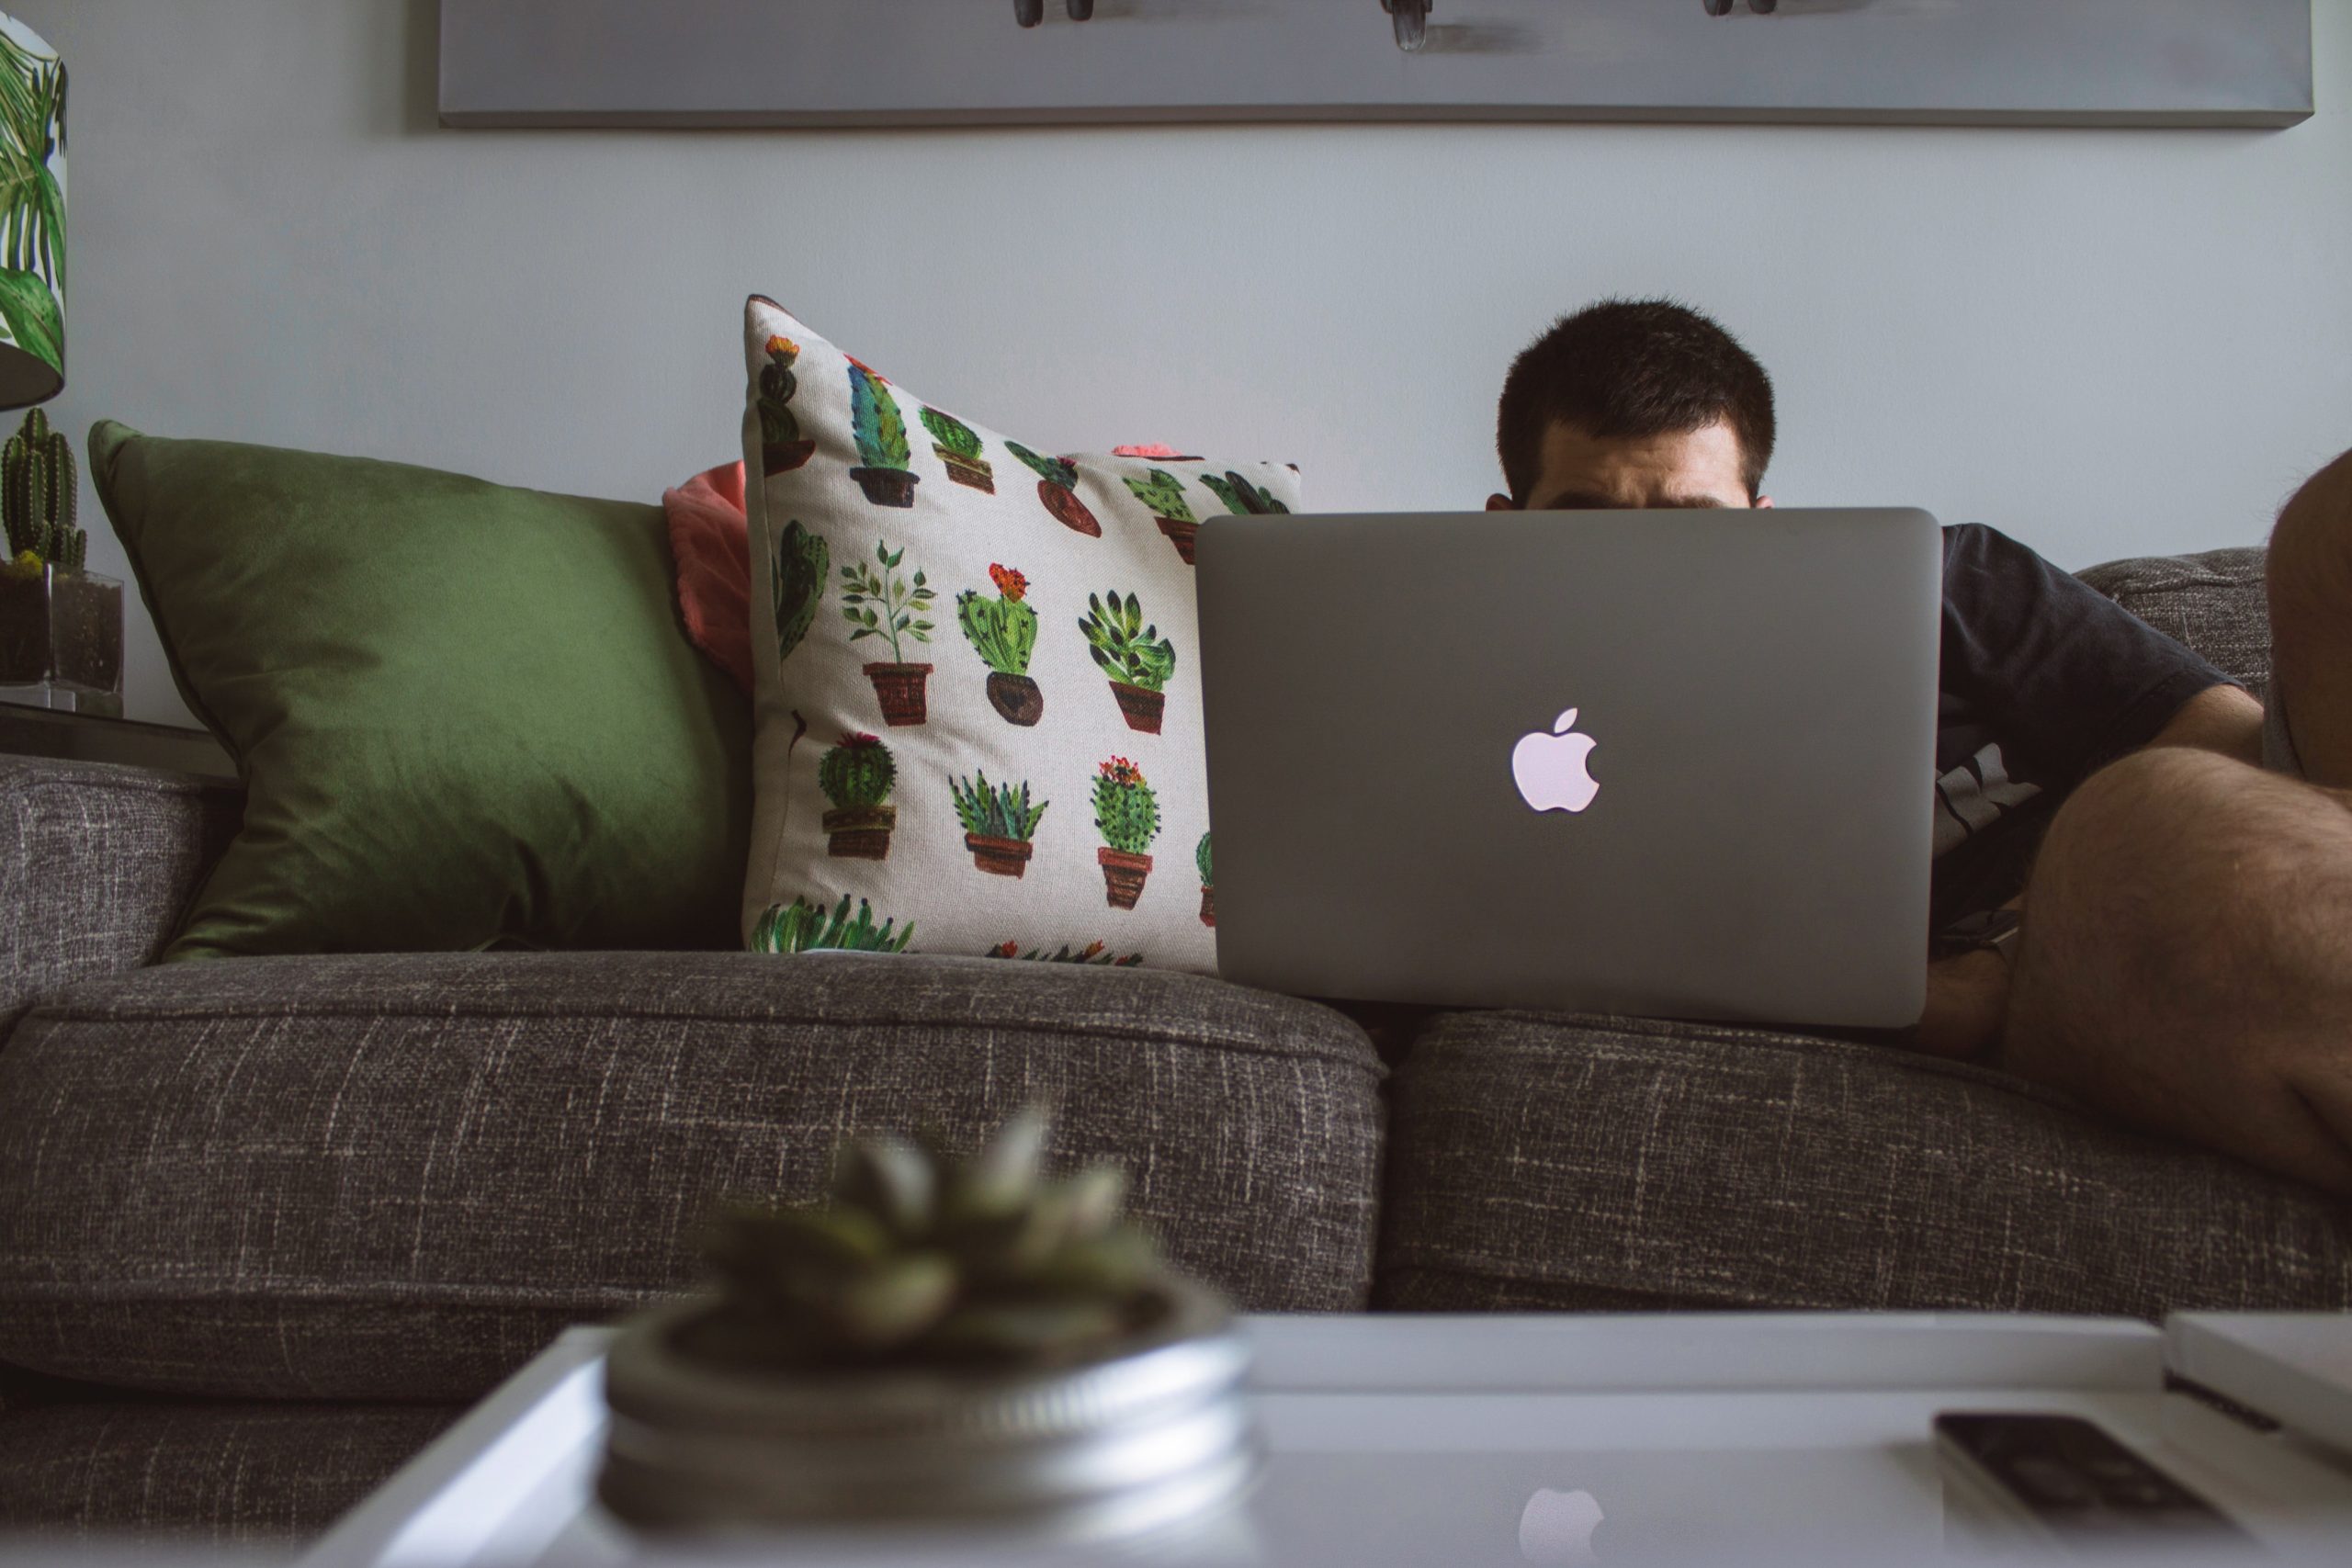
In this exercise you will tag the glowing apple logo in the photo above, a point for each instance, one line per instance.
(1550, 768)
(1556, 1530)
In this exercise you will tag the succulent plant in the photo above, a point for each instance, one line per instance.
(1054, 471)
(803, 927)
(916, 1260)
(40, 494)
(875, 421)
(863, 589)
(1164, 493)
(1003, 630)
(1240, 496)
(996, 812)
(802, 561)
(952, 434)
(1095, 954)
(778, 426)
(858, 772)
(1123, 646)
(1201, 859)
(1125, 810)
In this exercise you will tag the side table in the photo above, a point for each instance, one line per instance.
(26, 731)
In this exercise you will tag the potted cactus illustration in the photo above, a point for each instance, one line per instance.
(1135, 657)
(803, 927)
(1126, 813)
(857, 776)
(1094, 954)
(1208, 882)
(782, 447)
(1240, 496)
(1057, 488)
(1164, 493)
(884, 605)
(881, 436)
(999, 823)
(1003, 632)
(803, 561)
(958, 446)
(60, 627)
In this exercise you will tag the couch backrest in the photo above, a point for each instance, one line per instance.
(2213, 601)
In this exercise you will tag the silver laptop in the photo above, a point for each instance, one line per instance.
(1662, 764)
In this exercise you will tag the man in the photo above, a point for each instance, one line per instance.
(2185, 957)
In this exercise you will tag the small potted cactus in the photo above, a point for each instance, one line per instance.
(880, 431)
(958, 446)
(943, 1343)
(1208, 883)
(1241, 496)
(782, 447)
(1096, 955)
(1126, 813)
(803, 927)
(1137, 659)
(1164, 493)
(857, 776)
(1003, 632)
(1057, 488)
(882, 603)
(803, 561)
(60, 626)
(999, 823)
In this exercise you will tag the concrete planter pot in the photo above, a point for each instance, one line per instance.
(1152, 1436)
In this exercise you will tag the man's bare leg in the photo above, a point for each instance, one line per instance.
(2310, 621)
(2187, 959)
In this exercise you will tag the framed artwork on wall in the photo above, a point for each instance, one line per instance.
(879, 62)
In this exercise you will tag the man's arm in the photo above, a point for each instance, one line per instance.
(1968, 995)
(2219, 718)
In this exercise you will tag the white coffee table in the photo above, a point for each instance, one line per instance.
(1438, 1439)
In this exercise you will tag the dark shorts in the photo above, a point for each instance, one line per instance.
(2279, 753)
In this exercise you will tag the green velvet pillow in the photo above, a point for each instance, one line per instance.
(465, 715)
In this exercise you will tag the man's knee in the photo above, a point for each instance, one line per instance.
(2310, 549)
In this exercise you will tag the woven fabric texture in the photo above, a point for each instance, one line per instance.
(366, 1177)
(1558, 1163)
(2214, 601)
(154, 1472)
(100, 863)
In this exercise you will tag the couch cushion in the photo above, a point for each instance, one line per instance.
(1579, 1162)
(2214, 601)
(399, 1177)
(181, 1471)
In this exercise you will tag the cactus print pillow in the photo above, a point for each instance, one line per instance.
(978, 687)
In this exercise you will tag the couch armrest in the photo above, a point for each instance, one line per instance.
(97, 862)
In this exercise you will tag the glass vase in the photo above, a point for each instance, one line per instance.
(60, 640)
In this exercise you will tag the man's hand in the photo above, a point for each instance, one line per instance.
(1968, 1001)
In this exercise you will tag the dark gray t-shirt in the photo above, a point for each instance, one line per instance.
(2045, 681)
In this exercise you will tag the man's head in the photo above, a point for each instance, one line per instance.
(1634, 403)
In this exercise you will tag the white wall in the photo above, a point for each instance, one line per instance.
(2106, 343)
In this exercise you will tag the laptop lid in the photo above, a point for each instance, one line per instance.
(1668, 764)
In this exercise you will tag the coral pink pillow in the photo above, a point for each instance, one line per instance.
(712, 546)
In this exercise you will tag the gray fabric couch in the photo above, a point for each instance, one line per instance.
(266, 1225)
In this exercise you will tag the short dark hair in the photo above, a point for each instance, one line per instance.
(1633, 368)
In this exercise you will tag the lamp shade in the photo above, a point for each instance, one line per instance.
(33, 217)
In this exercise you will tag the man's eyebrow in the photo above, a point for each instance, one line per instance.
(1592, 501)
